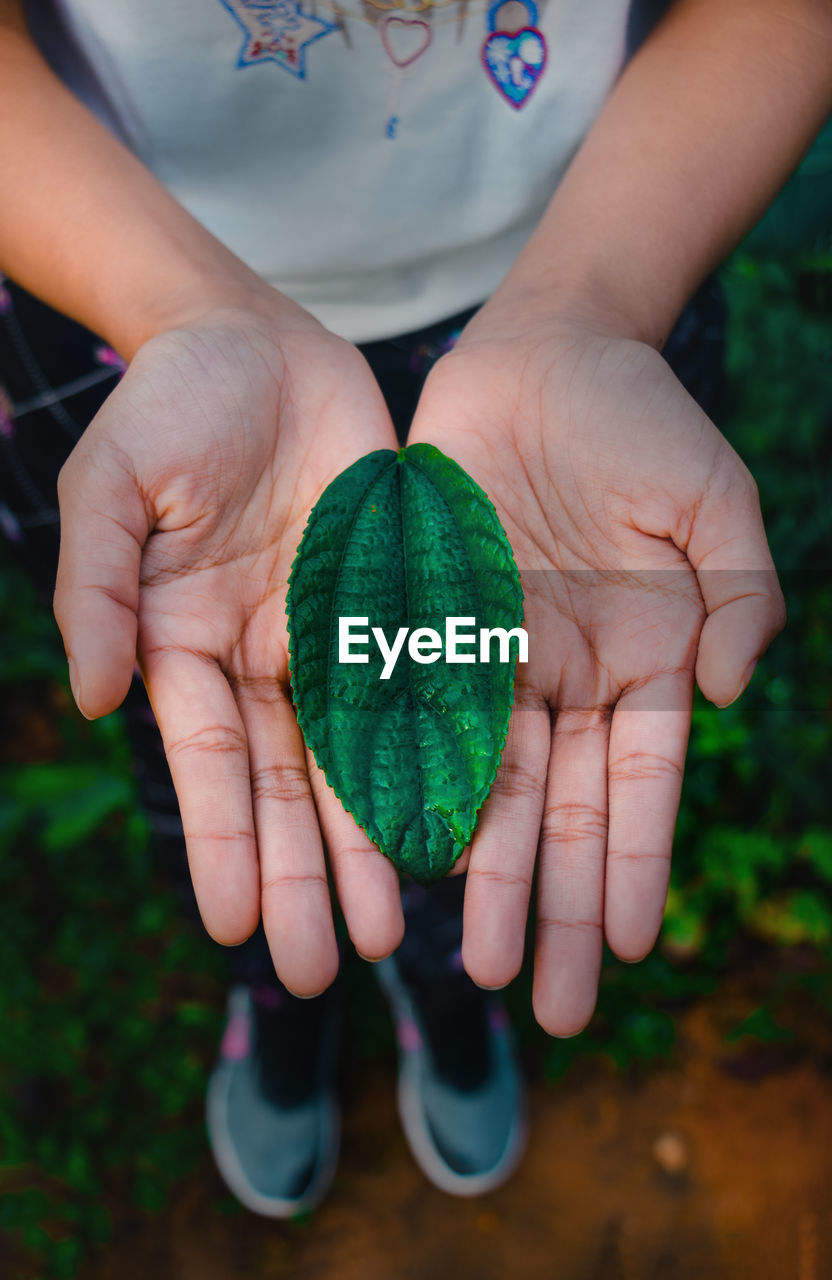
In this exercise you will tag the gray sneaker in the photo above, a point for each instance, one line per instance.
(460, 1093)
(273, 1121)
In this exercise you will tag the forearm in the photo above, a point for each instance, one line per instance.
(85, 226)
(706, 123)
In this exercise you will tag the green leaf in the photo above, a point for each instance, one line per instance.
(791, 918)
(816, 847)
(404, 539)
(71, 801)
(761, 1025)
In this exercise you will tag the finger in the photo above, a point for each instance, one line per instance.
(104, 525)
(461, 865)
(503, 852)
(737, 578)
(570, 876)
(294, 892)
(206, 748)
(366, 882)
(648, 740)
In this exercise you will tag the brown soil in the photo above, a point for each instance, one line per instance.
(691, 1171)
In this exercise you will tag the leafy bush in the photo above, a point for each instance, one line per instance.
(109, 1006)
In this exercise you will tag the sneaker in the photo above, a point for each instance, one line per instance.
(273, 1121)
(460, 1092)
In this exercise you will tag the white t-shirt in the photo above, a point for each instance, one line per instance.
(380, 161)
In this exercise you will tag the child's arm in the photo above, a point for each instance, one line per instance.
(86, 227)
(557, 402)
(182, 506)
(705, 125)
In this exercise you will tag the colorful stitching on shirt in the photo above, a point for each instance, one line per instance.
(276, 31)
(403, 40)
(515, 59)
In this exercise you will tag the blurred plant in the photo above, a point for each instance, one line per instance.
(108, 1003)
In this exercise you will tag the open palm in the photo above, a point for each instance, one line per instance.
(182, 508)
(638, 534)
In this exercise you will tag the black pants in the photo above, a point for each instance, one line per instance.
(55, 375)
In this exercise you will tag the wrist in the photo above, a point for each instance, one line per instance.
(92, 232)
(588, 293)
(203, 293)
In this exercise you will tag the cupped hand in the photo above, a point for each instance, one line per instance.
(181, 510)
(639, 537)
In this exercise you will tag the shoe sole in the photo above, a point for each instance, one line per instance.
(412, 1117)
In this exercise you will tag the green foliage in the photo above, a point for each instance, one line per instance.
(109, 1004)
(410, 539)
(754, 845)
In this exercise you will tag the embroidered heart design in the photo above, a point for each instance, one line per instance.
(515, 62)
(405, 39)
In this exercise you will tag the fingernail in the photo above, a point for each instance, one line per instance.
(744, 683)
(373, 959)
(75, 686)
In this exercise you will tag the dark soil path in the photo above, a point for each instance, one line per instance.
(691, 1171)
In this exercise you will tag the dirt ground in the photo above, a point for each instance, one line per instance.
(717, 1166)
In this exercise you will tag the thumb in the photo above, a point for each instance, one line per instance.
(745, 607)
(104, 526)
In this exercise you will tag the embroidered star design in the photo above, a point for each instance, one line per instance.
(276, 31)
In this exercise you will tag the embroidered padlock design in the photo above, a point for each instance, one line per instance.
(514, 52)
